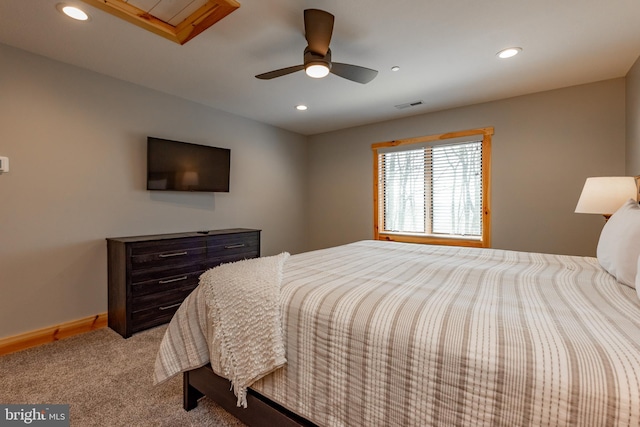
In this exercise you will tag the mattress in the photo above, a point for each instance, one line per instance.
(395, 334)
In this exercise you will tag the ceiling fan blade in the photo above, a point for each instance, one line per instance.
(281, 72)
(318, 27)
(354, 73)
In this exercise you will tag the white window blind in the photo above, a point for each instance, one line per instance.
(432, 189)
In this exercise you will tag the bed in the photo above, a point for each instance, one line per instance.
(394, 334)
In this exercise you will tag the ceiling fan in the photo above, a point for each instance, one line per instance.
(318, 26)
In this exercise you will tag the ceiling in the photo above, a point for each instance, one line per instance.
(446, 51)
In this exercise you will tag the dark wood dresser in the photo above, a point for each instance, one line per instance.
(150, 276)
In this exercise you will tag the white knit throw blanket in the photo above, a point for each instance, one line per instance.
(243, 306)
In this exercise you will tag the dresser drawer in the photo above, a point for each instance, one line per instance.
(167, 245)
(152, 281)
(233, 247)
(156, 308)
(149, 320)
(146, 319)
(168, 254)
(160, 301)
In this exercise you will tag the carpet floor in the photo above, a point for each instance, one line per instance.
(106, 380)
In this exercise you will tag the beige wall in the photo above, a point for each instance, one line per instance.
(76, 141)
(545, 146)
(633, 120)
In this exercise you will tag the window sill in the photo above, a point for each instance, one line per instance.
(431, 240)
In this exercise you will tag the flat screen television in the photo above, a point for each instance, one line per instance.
(182, 166)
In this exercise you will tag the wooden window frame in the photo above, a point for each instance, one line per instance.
(485, 240)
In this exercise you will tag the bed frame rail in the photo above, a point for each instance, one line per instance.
(260, 410)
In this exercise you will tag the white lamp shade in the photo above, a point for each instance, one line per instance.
(604, 195)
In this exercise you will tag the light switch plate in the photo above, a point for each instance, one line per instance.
(4, 164)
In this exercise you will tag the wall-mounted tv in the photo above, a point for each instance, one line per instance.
(182, 166)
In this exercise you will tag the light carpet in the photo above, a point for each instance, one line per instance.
(107, 381)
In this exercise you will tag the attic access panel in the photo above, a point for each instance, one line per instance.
(176, 20)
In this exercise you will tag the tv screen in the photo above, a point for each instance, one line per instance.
(182, 166)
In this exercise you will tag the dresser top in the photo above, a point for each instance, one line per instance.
(181, 235)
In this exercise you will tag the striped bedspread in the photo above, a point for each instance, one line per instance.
(393, 334)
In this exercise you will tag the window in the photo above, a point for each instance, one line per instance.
(434, 189)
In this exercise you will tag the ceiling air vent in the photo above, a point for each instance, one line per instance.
(409, 104)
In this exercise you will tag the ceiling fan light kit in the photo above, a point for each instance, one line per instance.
(317, 63)
(317, 66)
(317, 71)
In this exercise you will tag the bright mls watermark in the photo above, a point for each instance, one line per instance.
(34, 415)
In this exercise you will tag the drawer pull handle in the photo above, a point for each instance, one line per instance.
(170, 306)
(162, 282)
(173, 254)
(239, 245)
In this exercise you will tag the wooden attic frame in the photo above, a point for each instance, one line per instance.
(207, 15)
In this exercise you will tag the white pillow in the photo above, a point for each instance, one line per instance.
(619, 244)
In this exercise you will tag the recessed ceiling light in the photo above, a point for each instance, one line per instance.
(509, 52)
(72, 12)
(301, 107)
(395, 68)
